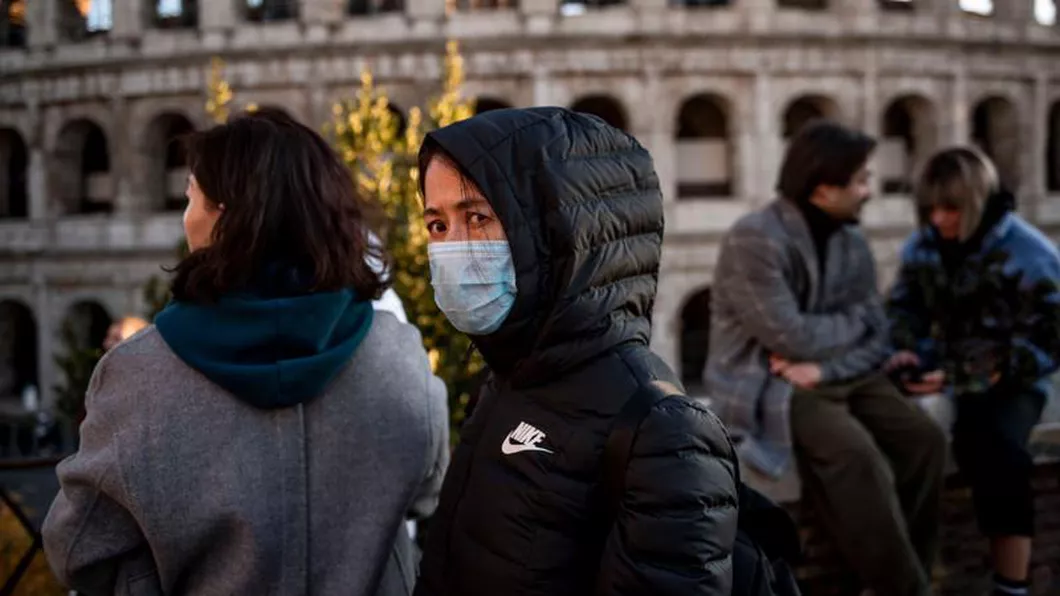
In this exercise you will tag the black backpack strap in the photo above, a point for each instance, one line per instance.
(619, 445)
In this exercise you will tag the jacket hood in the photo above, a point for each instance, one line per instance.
(269, 351)
(581, 206)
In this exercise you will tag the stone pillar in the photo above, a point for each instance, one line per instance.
(656, 133)
(961, 126)
(761, 172)
(870, 107)
(543, 94)
(539, 14)
(1018, 11)
(127, 197)
(41, 21)
(218, 15)
(428, 12)
(321, 11)
(1035, 180)
(130, 16)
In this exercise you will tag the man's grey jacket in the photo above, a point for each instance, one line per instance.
(771, 297)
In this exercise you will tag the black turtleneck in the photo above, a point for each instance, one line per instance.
(822, 226)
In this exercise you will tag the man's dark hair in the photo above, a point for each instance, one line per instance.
(291, 208)
(823, 152)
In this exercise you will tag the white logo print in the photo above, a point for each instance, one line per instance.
(523, 438)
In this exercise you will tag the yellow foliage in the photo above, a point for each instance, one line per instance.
(218, 92)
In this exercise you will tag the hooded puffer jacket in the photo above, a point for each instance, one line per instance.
(519, 511)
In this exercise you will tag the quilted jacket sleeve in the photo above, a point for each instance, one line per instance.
(677, 521)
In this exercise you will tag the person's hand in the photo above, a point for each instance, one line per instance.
(804, 375)
(928, 383)
(901, 359)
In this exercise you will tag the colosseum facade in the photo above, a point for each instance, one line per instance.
(92, 92)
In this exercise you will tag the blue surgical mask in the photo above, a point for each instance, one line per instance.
(474, 283)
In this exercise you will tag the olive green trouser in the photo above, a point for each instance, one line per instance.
(872, 466)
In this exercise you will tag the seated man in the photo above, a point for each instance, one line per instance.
(798, 338)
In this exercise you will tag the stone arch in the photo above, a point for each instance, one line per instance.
(488, 104)
(804, 109)
(81, 177)
(88, 321)
(910, 134)
(695, 338)
(18, 349)
(996, 130)
(704, 148)
(166, 164)
(1052, 149)
(607, 108)
(14, 175)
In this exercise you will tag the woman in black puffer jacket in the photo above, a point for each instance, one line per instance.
(546, 230)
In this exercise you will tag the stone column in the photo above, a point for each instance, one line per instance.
(130, 16)
(870, 107)
(761, 172)
(41, 20)
(1034, 167)
(961, 128)
(127, 197)
(539, 14)
(656, 133)
(215, 18)
(426, 15)
(541, 80)
(1019, 11)
(319, 15)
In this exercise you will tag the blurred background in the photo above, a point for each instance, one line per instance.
(94, 93)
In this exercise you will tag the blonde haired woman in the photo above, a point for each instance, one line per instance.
(976, 313)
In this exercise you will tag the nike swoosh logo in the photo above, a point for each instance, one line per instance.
(508, 447)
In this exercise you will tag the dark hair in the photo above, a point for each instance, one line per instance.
(431, 150)
(823, 152)
(290, 205)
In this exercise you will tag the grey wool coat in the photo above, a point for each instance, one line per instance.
(771, 297)
(179, 488)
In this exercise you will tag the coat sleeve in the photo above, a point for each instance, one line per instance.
(438, 457)
(906, 309)
(89, 532)
(770, 310)
(676, 524)
(868, 354)
(1036, 339)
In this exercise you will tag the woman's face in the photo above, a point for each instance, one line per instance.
(454, 210)
(200, 216)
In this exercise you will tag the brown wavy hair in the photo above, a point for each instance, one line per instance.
(289, 203)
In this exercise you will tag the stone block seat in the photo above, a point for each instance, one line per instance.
(963, 564)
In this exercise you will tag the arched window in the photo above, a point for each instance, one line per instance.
(13, 24)
(265, 11)
(81, 177)
(81, 19)
(18, 350)
(360, 8)
(176, 14)
(704, 149)
(1052, 156)
(695, 339)
(606, 108)
(167, 172)
(995, 129)
(14, 172)
(806, 109)
(909, 137)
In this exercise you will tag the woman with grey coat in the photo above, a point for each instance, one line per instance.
(271, 432)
